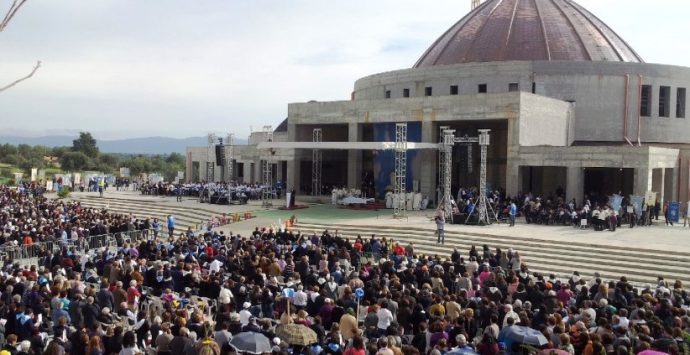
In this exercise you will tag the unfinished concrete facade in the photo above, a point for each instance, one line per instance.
(569, 103)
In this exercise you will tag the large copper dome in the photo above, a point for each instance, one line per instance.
(504, 30)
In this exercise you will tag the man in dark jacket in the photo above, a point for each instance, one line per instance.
(76, 311)
(104, 297)
(90, 313)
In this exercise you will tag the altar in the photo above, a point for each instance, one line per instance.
(348, 197)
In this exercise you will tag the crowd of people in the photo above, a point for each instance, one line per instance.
(195, 292)
(592, 212)
(203, 189)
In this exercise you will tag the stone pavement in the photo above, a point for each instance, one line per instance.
(655, 237)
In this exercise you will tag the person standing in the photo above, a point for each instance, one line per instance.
(687, 214)
(667, 214)
(171, 225)
(440, 220)
(657, 209)
(512, 213)
(101, 186)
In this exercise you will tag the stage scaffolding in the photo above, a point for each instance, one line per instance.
(211, 158)
(316, 164)
(486, 214)
(229, 156)
(445, 166)
(400, 190)
(267, 191)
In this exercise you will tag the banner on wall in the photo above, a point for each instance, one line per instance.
(616, 201)
(674, 211)
(637, 203)
(18, 178)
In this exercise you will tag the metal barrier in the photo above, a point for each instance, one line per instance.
(24, 252)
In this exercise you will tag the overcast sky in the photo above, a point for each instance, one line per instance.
(125, 68)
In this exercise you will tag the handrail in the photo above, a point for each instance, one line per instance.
(23, 252)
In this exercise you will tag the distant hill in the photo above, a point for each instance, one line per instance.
(147, 145)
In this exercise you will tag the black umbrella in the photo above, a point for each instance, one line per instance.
(251, 342)
(525, 335)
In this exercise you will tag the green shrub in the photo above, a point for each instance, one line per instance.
(64, 192)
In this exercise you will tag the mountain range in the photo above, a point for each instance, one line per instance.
(146, 145)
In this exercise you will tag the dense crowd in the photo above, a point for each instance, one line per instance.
(203, 189)
(554, 209)
(197, 293)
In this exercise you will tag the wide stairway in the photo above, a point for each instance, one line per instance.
(184, 216)
(640, 266)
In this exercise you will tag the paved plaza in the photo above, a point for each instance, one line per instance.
(656, 237)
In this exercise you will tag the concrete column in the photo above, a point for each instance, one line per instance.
(575, 184)
(279, 170)
(188, 167)
(247, 172)
(658, 178)
(643, 181)
(293, 177)
(354, 157)
(670, 184)
(513, 179)
(428, 161)
(258, 172)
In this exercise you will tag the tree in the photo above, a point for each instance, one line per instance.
(175, 158)
(74, 161)
(85, 144)
(16, 5)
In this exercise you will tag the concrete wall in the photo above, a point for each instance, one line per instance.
(246, 154)
(544, 121)
(598, 90)
(448, 108)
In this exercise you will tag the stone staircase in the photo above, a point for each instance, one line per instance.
(640, 266)
(184, 215)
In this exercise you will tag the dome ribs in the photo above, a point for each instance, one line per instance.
(528, 30)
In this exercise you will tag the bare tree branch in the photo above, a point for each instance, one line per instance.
(38, 65)
(16, 5)
(10, 13)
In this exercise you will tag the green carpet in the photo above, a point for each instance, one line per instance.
(321, 213)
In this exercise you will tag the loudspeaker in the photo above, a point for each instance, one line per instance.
(220, 155)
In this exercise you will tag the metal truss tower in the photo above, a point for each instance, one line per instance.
(441, 166)
(400, 189)
(316, 164)
(267, 170)
(211, 158)
(448, 142)
(486, 213)
(229, 156)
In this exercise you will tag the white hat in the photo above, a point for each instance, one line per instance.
(246, 305)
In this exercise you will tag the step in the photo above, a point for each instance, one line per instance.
(649, 262)
(626, 253)
(190, 213)
(175, 210)
(557, 258)
(199, 207)
(142, 201)
(658, 259)
(181, 222)
(553, 262)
